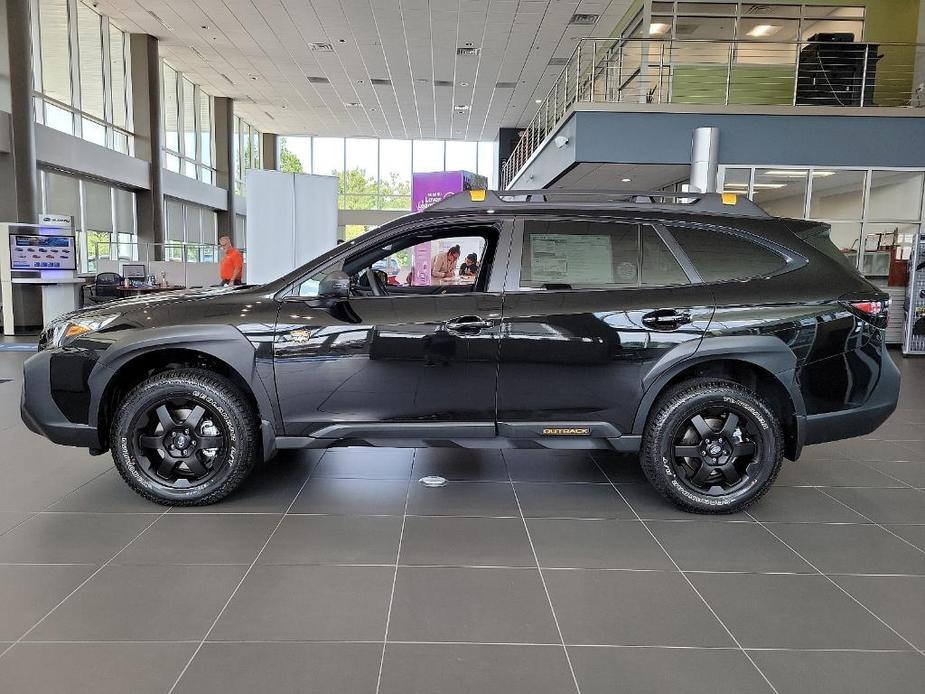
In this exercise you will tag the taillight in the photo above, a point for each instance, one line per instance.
(874, 312)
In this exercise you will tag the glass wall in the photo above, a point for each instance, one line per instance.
(188, 127)
(248, 151)
(81, 73)
(875, 214)
(375, 174)
(104, 216)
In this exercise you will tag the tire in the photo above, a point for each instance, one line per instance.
(715, 464)
(202, 466)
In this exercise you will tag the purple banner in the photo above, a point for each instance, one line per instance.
(428, 188)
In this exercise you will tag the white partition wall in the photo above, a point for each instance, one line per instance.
(291, 218)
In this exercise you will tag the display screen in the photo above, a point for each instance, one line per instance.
(42, 252)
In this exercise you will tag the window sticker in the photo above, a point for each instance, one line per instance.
(571, 258)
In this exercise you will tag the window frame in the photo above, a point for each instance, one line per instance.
(494, 282)
(512, 280)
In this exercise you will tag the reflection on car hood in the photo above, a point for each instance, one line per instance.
(133, 303)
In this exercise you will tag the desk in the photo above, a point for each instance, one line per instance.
(59, 296)
(146, 289)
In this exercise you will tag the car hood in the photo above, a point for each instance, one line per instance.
(154, 300)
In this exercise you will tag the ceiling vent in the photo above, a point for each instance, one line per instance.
(505, 85)
(321, 47)
(467, 50)
(267, 113)
(318, 80)
(558, 61)
(584, 19)
(443, 83)
(227, 78)
(380, 82)
(352, 104)
(758, 9)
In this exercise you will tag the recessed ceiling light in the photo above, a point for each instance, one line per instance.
(537, 101)
(626, 180)
(204, 26)
(463, 84)
(352, 104)
(443, 83)
(462, 107)
(761, 30)
(658, 28)
(467, 50)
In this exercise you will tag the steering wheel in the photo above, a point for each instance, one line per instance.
(374, 285)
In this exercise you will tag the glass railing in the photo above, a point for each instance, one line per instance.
(726, 73)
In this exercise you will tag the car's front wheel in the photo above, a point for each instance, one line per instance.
(184, 437)
(712, 446)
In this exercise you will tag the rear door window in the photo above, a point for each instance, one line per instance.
(580, 254)
(719, 256)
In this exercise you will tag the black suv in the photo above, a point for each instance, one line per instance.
(695, 329)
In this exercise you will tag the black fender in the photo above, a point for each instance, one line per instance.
(769, 353)
(220, 341)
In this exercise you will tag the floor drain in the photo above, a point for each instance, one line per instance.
(433, 481)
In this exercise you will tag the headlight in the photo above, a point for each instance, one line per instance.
(64, 331)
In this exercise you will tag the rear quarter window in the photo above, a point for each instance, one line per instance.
(719, 255)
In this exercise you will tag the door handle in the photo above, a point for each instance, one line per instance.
(666, 319)
(467, 324)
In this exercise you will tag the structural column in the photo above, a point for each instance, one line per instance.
(705, 159)
(270, 149)
(25, 175)
(224, 163)
(148, 127)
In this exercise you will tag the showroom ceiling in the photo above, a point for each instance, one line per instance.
(386, 68)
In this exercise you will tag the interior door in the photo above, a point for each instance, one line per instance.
(405, 355)
(590, 305)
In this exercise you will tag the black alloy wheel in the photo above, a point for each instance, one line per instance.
(185, 437)
(182, 441)
(715, 450)
(712, 446)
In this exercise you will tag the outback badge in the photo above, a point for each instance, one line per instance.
(566, 431)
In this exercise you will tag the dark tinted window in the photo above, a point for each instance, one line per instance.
(586, 254)
(721, 256)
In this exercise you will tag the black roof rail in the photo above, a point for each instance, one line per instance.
(686, 201)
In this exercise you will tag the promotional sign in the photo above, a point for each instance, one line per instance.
(429, 188)
(30, 252)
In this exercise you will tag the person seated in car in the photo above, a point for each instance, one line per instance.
(443, 265)
(470, 266)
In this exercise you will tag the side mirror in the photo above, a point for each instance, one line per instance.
(336, 285)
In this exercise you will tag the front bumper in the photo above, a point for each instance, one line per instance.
(847, 424)
(40, 413)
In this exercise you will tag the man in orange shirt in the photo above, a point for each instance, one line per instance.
(232, 264)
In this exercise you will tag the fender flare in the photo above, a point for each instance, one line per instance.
(768, 353)
(220, 341)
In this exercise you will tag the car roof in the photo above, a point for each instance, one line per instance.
(520, 201)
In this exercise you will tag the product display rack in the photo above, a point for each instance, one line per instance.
(914, 328)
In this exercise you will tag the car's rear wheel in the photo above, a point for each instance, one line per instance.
(185, 437)
(712, 446)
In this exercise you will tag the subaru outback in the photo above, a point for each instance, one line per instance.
(694, 329)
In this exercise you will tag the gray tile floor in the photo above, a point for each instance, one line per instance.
(529, 572)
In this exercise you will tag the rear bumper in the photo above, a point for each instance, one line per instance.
(40, 413)
(846, 424)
